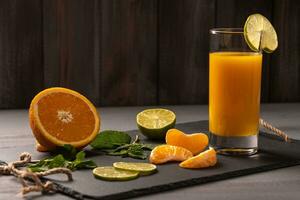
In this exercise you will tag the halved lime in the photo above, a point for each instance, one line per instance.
(141, 168)
(113, 174)
(260, 34)
(154, 123)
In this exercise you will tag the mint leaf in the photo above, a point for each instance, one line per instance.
(48, 163)
(110, 139)
(80, 163)
(60, 161)
(68, 151)
(80, 156)
(122, 152)
(117, 143)
(142, 156)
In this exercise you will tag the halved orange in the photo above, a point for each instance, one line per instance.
(205, 159)
(61, 116)
(165, 153)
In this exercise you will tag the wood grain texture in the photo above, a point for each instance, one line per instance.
(70, 58)
(128, 48)
(285, 65)
(234, 13)
(183, 50)
(21, 67)
(134, 52)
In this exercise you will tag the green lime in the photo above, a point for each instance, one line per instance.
(260, 34)
(113, 174)
(141, 168)
(154, 123)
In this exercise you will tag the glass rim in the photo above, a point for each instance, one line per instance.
(226, 31)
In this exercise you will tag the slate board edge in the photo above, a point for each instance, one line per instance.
(171, 186)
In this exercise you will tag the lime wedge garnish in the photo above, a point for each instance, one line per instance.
(260, 34)
(141, 168)
(154, 123)
(113, 174)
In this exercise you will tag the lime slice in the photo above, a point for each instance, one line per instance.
(141, 168)
(154, 123)
(113, 174)
(260, 34)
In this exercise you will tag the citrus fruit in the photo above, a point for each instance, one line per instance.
(260, 34)
(142, 168)
(113, 174)
(61, 116)
(165, 153)
(205, 159)
(154, 123)
(196, 142)
(40, 148)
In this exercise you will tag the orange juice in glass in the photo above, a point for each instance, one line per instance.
(234, 92)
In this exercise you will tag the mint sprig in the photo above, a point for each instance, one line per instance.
(110, 139)
(116, 143)
(60, 161)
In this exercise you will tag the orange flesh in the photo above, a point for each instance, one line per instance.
(75, 126)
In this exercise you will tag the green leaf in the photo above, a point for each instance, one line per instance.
(57, 161)
(48, 163)
(149, 147)
(136, 149)
(138, 156)
(122, 152)
(87, 164)
(80, 156)
(60, 161)
(67, 150)
(110, 139)
(116, 143)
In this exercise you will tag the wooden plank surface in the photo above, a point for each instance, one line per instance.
(70, 59)
(128, 45)
(134, 52)
(183, 50)
(234, 13)
(20, 52)
(285, 65)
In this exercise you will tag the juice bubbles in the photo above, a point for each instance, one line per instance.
(234, 93)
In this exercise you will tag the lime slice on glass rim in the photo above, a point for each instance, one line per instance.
(112, 174)
(141, 168)
(154, 123)
(260, 34)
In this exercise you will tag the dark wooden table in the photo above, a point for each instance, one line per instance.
(277, 184)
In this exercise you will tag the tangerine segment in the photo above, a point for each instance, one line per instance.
(61, 116)
(205, 159)
(196, 142)
(165, 153)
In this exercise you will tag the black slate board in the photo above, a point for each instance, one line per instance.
(273, 154)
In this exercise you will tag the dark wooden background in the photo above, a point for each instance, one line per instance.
(134, 52)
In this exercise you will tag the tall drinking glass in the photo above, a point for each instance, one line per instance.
(234, 92)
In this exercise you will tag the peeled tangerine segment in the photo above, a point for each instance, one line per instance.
(205, 159)
(195, 143)
(165, 153)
